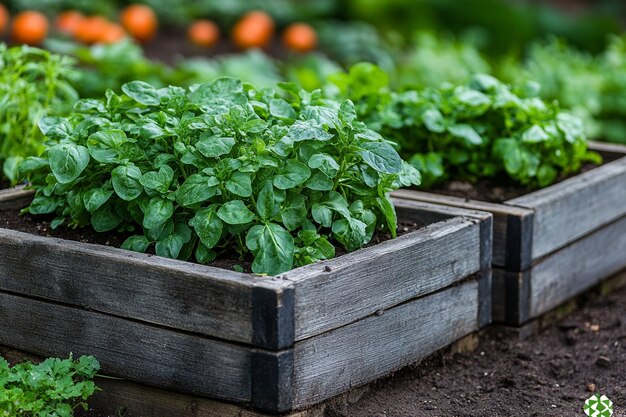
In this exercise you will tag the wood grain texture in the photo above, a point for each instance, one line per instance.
(362, 282)
(16, 193)
(577, 267)
(182, 295)
(510, 296)
(371, 348)
(501, 215)
(575, 207)
(140, 352)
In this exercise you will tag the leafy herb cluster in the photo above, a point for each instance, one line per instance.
(33, 83)
(480, 130)
(220, 167)
(54, 387)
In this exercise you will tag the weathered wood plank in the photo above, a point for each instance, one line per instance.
(140, 352)
(577, 267)
(575, 207)
(371, 348)
(362, 282)
(512, 230)
(182, 295)
(510, 296)
(16, 193)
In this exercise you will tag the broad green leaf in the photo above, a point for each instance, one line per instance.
(235, 212)
(293, 212)
(324, 163)
(204, 255)
(158, 211)
(197, 188)
(382, 157)
(387, 209)
(534, 135)
(214, 146)
(104, 145)
(67, 161)
(320, 182)
(266, 205)
(126, 182)
(466, 132)
(281, 109)
(273, 248)
(137, 243)
(293, 174)
(208, 226)
(142, 92)
(105, 219)
(434, 120)
(94, 198)
(301, 130)
(240, 184)
(42, 204)
(171, 246)
(158, 180)
(350, 232)
(509, 152)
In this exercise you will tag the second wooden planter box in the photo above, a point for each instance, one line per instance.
(552, 244)
(275, 343)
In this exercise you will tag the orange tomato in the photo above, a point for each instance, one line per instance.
(139, 21)
(29, 27)
(91, 29)
(4, 18)
(68, 21)
(300, 37)
(203, 33)
(254, 30)
(113, 33)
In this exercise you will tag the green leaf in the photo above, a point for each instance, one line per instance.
(204, 255)
(208, 226)
(240, 184)
(508, 150)
(235, 212)
(105, 219)
(160, 180)
(94, 198)
(350, 232)
(434, 120)
(466, 132)
(197, 188)
(266, 205)
(171, 246)
(387, 209)
(382, 157)
(320, 182)
(325, 163)
(142, 92)
(67, 161)
(293, 212)
(42, 204)
(104, 145)
(273, 248)
(213, 146)
(126, 182)
(534, 135)
(293, 174)
(281, 109)
(301, 130)
(157, 212)
(137, 243)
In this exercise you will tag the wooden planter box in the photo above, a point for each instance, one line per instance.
(274, 344)
(552, 244)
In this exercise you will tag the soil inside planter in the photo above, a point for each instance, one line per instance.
(10, 218)
(4, 183)
(499, 190)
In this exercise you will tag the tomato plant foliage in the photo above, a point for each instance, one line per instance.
(220, 166)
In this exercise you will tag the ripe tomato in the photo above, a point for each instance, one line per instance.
(139, 21)
(91, 29)
(68, 21)
(300, 37)
(203, 33)
(29, 27)
(112, 33)
(253, 30)
(4, 18)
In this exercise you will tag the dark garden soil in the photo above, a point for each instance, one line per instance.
(4, 183)
(10, 218)
(549, 374)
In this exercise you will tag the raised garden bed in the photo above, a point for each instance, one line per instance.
(271, 343)
(551, 244)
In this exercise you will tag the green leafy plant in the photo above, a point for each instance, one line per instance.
(221, 167)
(33, 83)
(483, 129)
(54, 387)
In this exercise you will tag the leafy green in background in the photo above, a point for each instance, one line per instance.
(33, 83)
(480, 130)
(54, 387)
(221, 167)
